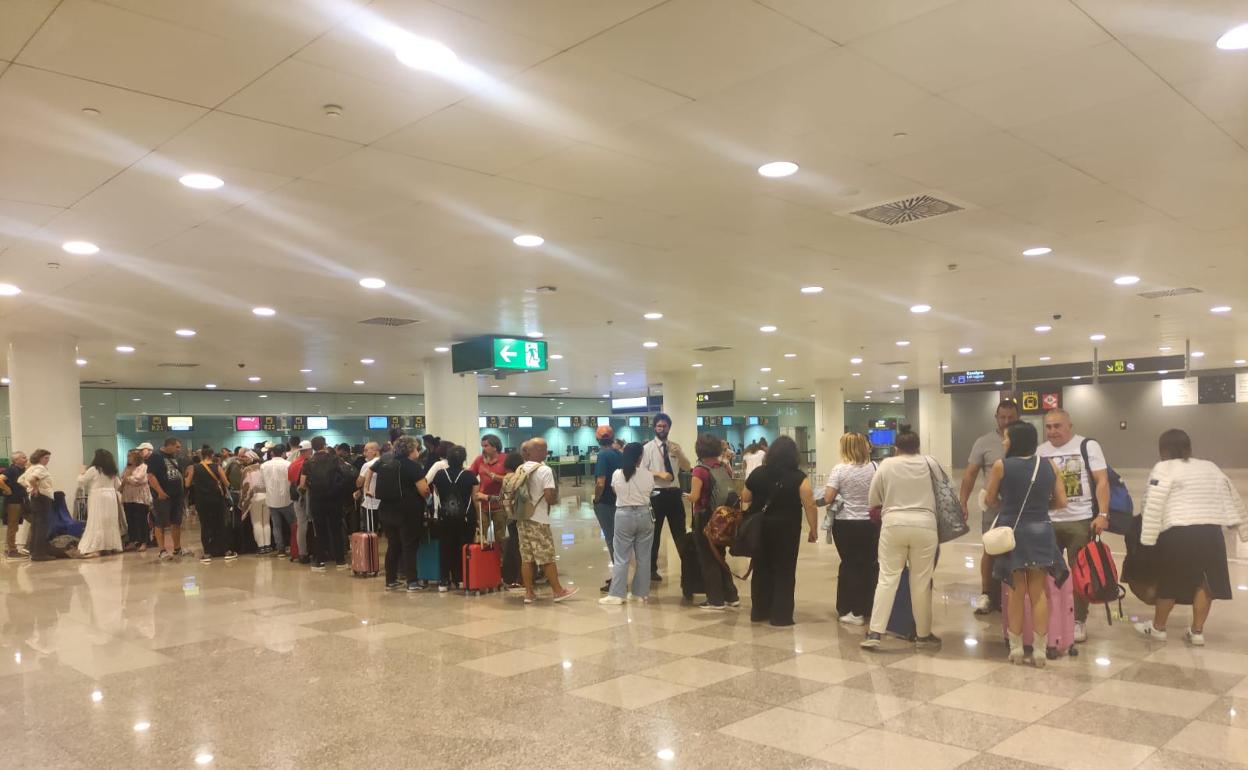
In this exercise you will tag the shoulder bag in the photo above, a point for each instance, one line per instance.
(950, 524)
(1000, 540)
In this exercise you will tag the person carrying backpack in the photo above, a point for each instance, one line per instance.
(711, 487)
(392, 481)
(457, 492)
(324, 481)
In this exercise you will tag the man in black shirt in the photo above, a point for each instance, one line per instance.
(164, 475)
(13, 502)
(324, 482)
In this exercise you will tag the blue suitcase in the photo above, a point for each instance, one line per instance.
(429, 560)
(901, 621)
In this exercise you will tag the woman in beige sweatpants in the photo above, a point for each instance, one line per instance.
(902, 487)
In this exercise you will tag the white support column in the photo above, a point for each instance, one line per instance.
(936, 424)
(451, 409)
(829, 424)
(680, 402)
(45, 409)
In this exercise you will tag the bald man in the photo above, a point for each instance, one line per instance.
(537, 543)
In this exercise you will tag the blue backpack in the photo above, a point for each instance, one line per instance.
(1121, 506)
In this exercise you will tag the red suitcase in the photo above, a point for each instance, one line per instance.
(364, 559)
(482, 567)
(1061, 639)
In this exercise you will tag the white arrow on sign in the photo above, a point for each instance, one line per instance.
(506, 353)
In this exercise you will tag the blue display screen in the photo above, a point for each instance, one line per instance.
(881, 437)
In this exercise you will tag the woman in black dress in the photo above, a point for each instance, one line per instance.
(780, 492)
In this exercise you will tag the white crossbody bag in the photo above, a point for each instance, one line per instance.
(1000, 540)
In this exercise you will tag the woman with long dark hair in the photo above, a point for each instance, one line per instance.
(208, 483)
(634, 528)
(456, 488)
(101, 483)
(780, 492)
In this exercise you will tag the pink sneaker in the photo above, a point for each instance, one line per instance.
(566, 593)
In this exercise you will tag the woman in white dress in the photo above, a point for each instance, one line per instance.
(101, 483)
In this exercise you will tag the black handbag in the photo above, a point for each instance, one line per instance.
(749, 540)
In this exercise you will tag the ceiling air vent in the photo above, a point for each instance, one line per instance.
(1163, 293)
(712, 348)
(894, 363)
(385, 320)
(97, 382)
(908, 210)
(176, 365)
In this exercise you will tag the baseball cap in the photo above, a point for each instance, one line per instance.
(146, 445)
(305, 445)
(604, 431)
(268, 445)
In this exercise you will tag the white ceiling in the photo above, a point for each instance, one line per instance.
(627, 133)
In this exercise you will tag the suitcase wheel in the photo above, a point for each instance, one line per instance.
(1074, 651)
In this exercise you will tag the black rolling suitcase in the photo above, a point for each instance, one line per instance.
(690, 568)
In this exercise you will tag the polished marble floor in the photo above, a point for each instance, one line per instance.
(260, 663)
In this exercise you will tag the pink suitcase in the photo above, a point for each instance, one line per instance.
(1061, 639)
(364, 558)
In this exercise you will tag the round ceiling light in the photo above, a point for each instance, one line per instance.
(767, 329)
(442, 349)
(310, 387)
(528, 240)
(9, 290)
(1127, 280)
(82, 248)
(210, 385)
(125, 348)
(1220, 309)
(264, 311)
(812, 289)
(357, 382)
(777, 169)
(964, 351)
(649, 344)
(535, 335)
(902, 343)
(1234, 39)
(920, 308)
(201, 181)
(1042, 328)
(790, 355)
(372, 283)
(652, 316)
(305, 371)
(81, 362)
(1097, 337)
(1037, 251)
(185, 332)
(855, 360)
(253, 378)
(368, 361)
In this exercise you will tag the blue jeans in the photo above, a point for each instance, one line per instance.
(282, 518)
(606, 519)
(634, 532)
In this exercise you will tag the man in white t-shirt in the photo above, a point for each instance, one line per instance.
(537, 542)
(366, 482)
(1075, 525)
(281, 509)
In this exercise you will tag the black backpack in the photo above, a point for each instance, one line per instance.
(453, 506)
(325, 477)
(388, 487)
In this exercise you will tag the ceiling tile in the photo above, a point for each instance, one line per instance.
(19, 220)
(560, 23)
(593, 172)
(848, 20)
(480, 141)
(18, 21)
(229, 140)
(285, 25)
(972, 40)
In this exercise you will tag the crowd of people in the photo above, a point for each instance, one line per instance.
(301, 500)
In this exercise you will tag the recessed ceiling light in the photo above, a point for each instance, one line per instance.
(9, 290)
(902, 343)
(920, 308)
(1163, 371)
(528, 240)
(767, 329)
(211, 385)
(855, 360)
(764, 387)
(903, 377)
(357, 382)
(781, 380)
(855, 374)
(652, 316)
(125, 348)
(310, 387)
(368, 361)
(1127, 280)
(1037, 251)
(1042, 328)
(1096, 337)
(372, 283)
(421, 53)
(1198, 354)
(790, 355)
(621, 382)
(253, 378)
(714, 386)
(563, 387)
(81, 361)
(264, 395)
(441, 349)
(4, 380)
(867, 398)
(868, 392)
(556, 356)
(535, 335)
(618, 374)
(264, 311)
(552, 380)
(166, 393)
(777, 169)
(812, 289)
(510, 393)
(649, 344)
(201, 181)
(1234, 39)
(1220, 309)
(696, 366)
(203, 759)
(1046, 358)
(895, 386)
(1241, 361)
(305, 371)
(964, 351)
(82, 248)
(1165, 348)
(765, 369)
(185, 332)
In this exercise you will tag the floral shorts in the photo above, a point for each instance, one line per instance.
(537, 544)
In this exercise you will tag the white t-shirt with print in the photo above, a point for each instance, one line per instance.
(852, 484)
(1076, 479)
(369, 500)
(541, 478)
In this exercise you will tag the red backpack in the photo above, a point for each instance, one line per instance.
(1096, 576)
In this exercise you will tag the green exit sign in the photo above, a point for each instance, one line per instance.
(502, 354)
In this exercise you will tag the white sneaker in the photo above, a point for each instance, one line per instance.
(1081, 632)
(609, 599)
(1193, 638)
(1147, 629)
(983, 604)
(850, 619)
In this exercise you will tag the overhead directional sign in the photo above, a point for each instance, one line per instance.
(498, 354)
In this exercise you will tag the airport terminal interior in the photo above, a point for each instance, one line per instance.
(276, 276)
